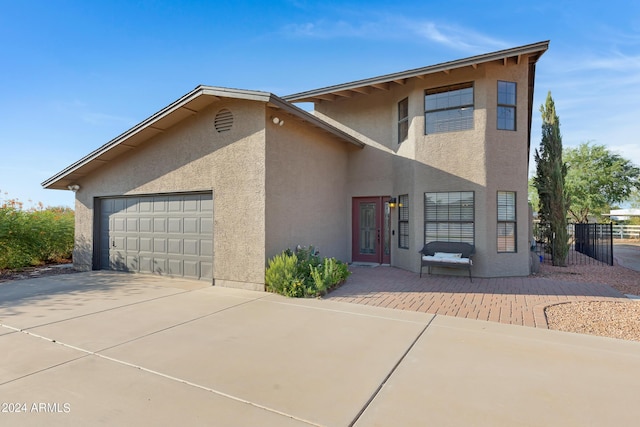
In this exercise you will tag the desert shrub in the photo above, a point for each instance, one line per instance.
(304, 273)
(35, 236)
(284, 275)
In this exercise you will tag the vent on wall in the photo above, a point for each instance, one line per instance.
(224, 120)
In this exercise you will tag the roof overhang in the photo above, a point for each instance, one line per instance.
(191, 103)
(367, 86)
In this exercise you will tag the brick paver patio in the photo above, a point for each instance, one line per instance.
(513, 300)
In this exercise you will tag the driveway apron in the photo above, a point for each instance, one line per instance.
(103, 348)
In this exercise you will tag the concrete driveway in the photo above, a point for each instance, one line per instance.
(104, 348)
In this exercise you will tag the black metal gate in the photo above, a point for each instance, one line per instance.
(588, 243)
(594, 241)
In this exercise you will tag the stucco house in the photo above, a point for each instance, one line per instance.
(219, 181)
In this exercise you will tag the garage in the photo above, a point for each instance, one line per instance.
(166, 234)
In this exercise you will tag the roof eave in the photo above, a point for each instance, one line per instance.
(315, 94)
(191, 103)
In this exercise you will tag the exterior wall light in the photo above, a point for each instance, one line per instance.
(277, 121)
(392, 202)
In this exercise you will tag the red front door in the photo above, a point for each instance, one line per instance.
(371, 230)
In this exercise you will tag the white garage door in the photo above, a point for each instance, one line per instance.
(160, 234)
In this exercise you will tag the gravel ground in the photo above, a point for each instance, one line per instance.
(605, 318)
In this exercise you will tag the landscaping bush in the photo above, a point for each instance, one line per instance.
(35, 236)
(303, 273)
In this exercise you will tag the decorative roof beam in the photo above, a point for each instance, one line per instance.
(400, 82)
(326, 97)
(381, 86)
(344, 93)
(364, 90)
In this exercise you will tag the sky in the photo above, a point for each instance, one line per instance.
(76, 74)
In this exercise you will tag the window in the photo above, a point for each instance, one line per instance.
(449, 109)
(449, 217)
(403, 120)
(506, 221)
(506, 105)
(403, 221)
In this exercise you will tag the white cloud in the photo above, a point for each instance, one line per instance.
(378, 26)
(459, 38)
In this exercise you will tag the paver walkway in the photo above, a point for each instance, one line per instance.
(511, 300)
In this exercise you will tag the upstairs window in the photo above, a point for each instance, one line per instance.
(506, 105)
(403, 120)
(449, 108)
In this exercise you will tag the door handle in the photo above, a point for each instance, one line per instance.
(378, 235)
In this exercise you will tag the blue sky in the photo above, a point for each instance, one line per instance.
(76, 74)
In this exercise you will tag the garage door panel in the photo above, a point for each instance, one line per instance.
(174, 225)
(146, 225)
(146, 206)
(159, 245)
(206, 226)
(159, 225)
(206, 248)
(191, 203)
(159, 204)
(206, 270)
(132, 263)
(146, 264)
(191, 247)
(131, 205)
(191, 269)
(174, 246)
(119, 224)
(132, 224)
(191, 225)
(175, 205)
(161, 234)
(175, 267)
(206, 203)
(132, 244)
(160, 265)
(146, 244)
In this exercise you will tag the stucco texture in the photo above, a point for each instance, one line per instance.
(194, 156)
(483, 160)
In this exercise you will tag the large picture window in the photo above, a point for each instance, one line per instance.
(403, 120)
(403, 221)
(506, 221)
(449, 216)
(449, 108)
(506, 105)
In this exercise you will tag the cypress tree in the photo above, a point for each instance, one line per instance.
(549, 181)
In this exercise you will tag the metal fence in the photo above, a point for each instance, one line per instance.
(588, 243)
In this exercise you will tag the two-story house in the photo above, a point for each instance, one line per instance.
(219, 181)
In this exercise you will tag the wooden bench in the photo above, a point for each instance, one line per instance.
(447, 254)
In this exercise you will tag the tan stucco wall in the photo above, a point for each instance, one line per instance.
(306, 172)
(193, 156)
(483, 160)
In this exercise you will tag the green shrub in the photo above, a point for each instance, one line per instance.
(304, 273)
(282, 275)
(35, 236)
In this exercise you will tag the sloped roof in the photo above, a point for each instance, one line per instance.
(191, 103)
(370, 85)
